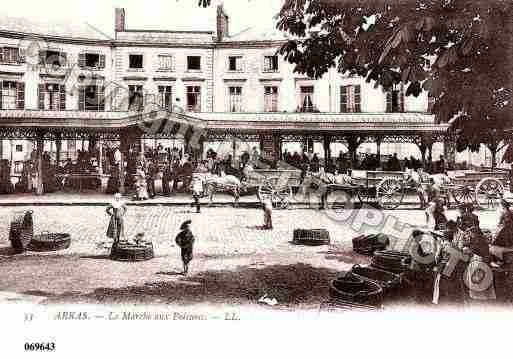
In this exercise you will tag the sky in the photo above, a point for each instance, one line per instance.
(150, 14)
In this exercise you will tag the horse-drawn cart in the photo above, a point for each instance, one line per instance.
(389, 188)
(483, 189)
(278, 185)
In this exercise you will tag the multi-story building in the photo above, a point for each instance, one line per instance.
(72, 86)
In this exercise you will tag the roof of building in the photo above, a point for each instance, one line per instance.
(390, 123)
(324, 122)
(257, 34)
(61, 29)
(165, 37)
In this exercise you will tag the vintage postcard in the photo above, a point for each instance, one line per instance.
(179, 173)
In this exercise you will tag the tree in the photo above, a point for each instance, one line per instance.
(459, 51)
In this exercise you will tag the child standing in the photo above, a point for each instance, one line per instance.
(268, 213)
(197, 190)
(185, 240)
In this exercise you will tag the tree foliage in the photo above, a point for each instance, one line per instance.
(460, 51)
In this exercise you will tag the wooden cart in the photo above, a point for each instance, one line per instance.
(278, 185)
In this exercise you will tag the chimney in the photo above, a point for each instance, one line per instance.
(222, 23)
(120, 20)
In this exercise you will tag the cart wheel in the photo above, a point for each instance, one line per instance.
(390, 193)
(463, 195)
(280, 194)
(489, 191)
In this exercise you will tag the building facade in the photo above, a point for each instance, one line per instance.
(237, 84)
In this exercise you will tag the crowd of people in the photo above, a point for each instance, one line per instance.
(456, 276)
(370, 162)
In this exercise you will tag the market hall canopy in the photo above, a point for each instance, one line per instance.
(396, 123)
(24, 123)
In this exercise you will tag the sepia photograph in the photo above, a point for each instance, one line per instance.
(312, 165)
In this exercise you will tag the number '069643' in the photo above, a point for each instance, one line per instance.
(39, 347)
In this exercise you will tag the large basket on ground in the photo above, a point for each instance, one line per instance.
(368, 244)
(311, 237)
(351, 289)
(21, 231)
(388, 281)
(47, 242)
(128, 252)
(391, 261)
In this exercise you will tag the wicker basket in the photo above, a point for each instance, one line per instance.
(312, 237)
(128, 252)
(47, 242)
(391, 261)
(349, 290)
(21, 231)
(389, 281)
(368, 244)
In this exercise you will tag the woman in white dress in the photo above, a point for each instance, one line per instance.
(140, 184)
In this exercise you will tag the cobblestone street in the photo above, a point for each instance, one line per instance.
(234, 261)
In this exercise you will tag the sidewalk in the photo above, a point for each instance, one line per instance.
(91, 198)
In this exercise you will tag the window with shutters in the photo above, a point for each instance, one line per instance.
(52, 58)
(135, 98)
(9, 95)
(10, 55)
(395, 99)
(271, 63)
(270, 99)
(91, 60)
(235, 98)
(235, 63)
(52, 97)
(431, 104)
(193, 63)
(12, 95)
(91, 98)
(166, 97)
(193, 98)
(135, 61)
(165, 63)
(306, 99)
(350, 98)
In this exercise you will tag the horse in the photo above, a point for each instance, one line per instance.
(223, 183)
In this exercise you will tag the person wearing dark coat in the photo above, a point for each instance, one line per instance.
(467, 219)
(315, 163)
(185, 240)
(502, 240)
(151, 177)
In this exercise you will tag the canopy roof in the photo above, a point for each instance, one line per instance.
(315, 123)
